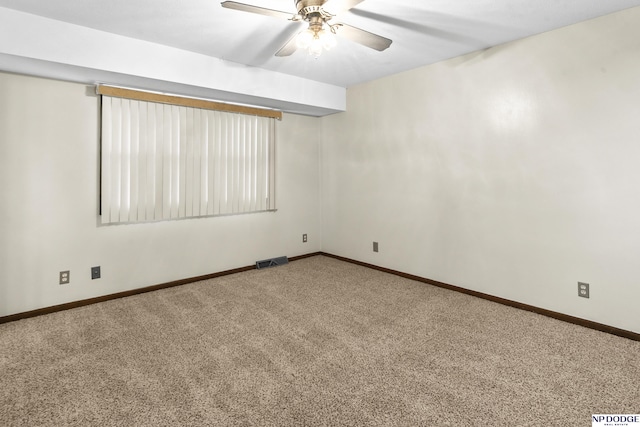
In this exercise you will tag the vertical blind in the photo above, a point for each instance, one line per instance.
(161, 161)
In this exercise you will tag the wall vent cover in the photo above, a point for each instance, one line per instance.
(273, 262)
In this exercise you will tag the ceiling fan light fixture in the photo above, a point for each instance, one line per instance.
(315, 42)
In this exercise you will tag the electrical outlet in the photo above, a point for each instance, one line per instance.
(95, 273)
(583, 290)
(375, 246)
(304, 238)
(65, 277)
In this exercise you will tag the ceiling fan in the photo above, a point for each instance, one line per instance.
(320, 15)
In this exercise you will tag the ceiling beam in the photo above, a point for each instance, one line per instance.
(34, 45)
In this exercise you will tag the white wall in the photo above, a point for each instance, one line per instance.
(513, 172)
(48, 208)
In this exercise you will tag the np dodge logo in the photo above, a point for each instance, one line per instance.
(611, 420)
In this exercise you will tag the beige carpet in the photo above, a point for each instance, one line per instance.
(316, 342)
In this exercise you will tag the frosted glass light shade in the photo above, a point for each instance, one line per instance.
(304, 39)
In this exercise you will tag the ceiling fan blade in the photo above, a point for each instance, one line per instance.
(289, 47)
(255, 9)
(363, 37)
(336, 7)
(421, 28)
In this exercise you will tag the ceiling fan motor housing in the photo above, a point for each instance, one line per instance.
(308, 9)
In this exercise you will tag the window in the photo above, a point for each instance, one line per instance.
(162, 161)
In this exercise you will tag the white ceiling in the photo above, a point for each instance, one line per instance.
(198, 48)
(423, 32)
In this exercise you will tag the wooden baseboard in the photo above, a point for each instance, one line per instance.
(559, 316)
(82, 303)
(296, 258)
